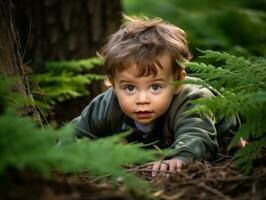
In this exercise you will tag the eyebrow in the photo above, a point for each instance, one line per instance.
(124, 81)
(158, 79)
(153, 80)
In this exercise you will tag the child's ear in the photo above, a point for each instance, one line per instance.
(110, 83)
(181, 76)
(107, 83)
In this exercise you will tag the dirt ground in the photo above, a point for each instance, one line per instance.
(200, 180)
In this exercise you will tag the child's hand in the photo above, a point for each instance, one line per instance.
(171, 165)
(242, 143)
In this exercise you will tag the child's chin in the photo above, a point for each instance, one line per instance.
(144, 121)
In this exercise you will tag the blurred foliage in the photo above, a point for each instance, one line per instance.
(242, 85)
(63, 80)
(10, 95)
(24, 145)
(234, 26)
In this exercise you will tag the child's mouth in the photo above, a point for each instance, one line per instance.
(144, 114)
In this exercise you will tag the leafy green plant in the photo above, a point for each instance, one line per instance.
(242, 85)
(66, 79)
(24, 145)
(9, 95)
(212, 24)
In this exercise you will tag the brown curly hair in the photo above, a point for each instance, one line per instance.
(141, 41)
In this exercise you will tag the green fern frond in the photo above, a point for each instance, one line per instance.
(64, 80)
(251, 70)
(241, 85)
(223, 56)
(245, 157)
(10, 96)
(24, 145)
(73, 66)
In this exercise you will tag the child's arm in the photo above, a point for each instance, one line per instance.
(99, 118)
(194, 133)
(195, 138)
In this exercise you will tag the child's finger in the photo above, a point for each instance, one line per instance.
(242, 143)
(155, 168)
(175, 165)
(172, 167)
(179, 166)
(164, 166)
(149, 166)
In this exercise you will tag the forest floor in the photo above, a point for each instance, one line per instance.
(218, 179)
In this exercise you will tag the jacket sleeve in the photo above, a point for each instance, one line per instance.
(96, 120)
(195, 133)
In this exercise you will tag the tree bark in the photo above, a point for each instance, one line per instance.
(11, 64)
(10, 59)
(65, 29)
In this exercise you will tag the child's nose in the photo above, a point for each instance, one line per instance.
(143, 98)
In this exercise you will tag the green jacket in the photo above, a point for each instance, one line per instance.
(190, 136)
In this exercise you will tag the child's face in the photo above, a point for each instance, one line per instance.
(144, 99)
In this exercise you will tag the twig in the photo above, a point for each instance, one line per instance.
(187, 176)
(232, 179)
(243, 178)
(173, 197)
(100, 177)
(214, 191)
(139, 167)
(150, 170)
(28, 38)
(224, 156)
(228, 163)
(156, 147)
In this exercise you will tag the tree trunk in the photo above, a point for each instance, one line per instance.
(10, 59)
(11, 64)
(65, 29)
